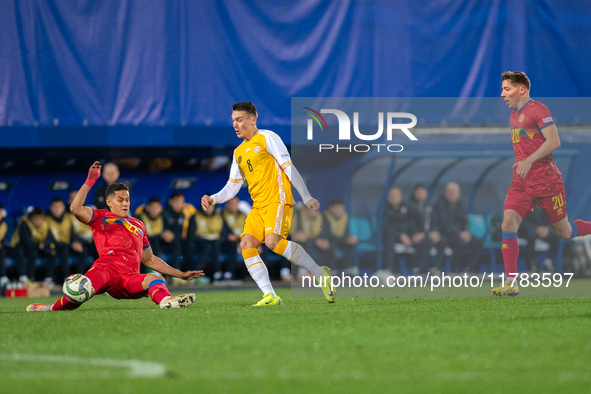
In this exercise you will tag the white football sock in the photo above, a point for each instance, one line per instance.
(260, 274)
(297, 255)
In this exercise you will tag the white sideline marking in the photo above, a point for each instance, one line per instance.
(466, 376)
(137, 368)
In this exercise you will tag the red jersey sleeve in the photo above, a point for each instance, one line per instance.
(542, 116)
(97, 217)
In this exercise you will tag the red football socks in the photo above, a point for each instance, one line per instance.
(63, 304)
(580, 228)
(510, 252)
(158, 291)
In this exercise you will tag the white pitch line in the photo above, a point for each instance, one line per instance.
(137, 368)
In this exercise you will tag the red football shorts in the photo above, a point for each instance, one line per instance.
(109, 278)
(548, 196)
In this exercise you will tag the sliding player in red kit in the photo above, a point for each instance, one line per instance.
(536, 179)
(122, 244)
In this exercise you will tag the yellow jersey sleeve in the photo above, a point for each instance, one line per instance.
(235, 173)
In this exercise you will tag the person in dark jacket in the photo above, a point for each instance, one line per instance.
(110, 175)
(151, 216)
(234, 221)
(32, 239)
(205, 235)
(398, 227)
(453, 222)
(82, 232)
(427, 233)
(173, 219)
(66, 240)
(540, 238)
(341, 240)
(308, 228)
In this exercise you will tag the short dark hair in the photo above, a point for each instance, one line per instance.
(336, 201)
(56, 199)
(36, 212)
(154, 199)
(246, 106)
(414, 190)
(175, 195)
(115, 187)
(517, 78)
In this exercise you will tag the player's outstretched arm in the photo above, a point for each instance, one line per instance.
(157, 264)
(298, 182)
(206, 201)
(82, 213)
(229, 191)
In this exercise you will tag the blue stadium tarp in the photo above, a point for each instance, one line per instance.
(181, 64)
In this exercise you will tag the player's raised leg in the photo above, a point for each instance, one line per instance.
(568, 230)
(297, 255)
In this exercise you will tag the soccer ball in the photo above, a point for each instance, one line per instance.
(78, 288)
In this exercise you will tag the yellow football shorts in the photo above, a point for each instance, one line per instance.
(272, 219)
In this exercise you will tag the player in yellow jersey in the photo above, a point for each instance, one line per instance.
(264, 162)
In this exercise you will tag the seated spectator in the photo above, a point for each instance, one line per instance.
(82, 232)
(206, 232)
(173, 219)
(454, 227)
(3, 231)
(427, 235)
(233, 224)
(309, 230)
(151, 215)
(398, 226)
(31, 240)
(540, 238)
(188, 210)
(66, 242)
(243, 208)
(342, 241)
(110, 174)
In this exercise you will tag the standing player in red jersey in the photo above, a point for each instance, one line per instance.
(122, 244)
(536, 179)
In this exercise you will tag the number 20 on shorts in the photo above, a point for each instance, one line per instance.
(558, 201)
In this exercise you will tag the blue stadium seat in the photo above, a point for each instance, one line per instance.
(363, 229)
(478, 225)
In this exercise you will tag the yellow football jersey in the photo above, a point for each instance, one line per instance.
(261, 161)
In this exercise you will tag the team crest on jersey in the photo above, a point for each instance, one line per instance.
(239, 159)
(257, 149)
(521, 117)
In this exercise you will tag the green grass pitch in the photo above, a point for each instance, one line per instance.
(223, 345)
